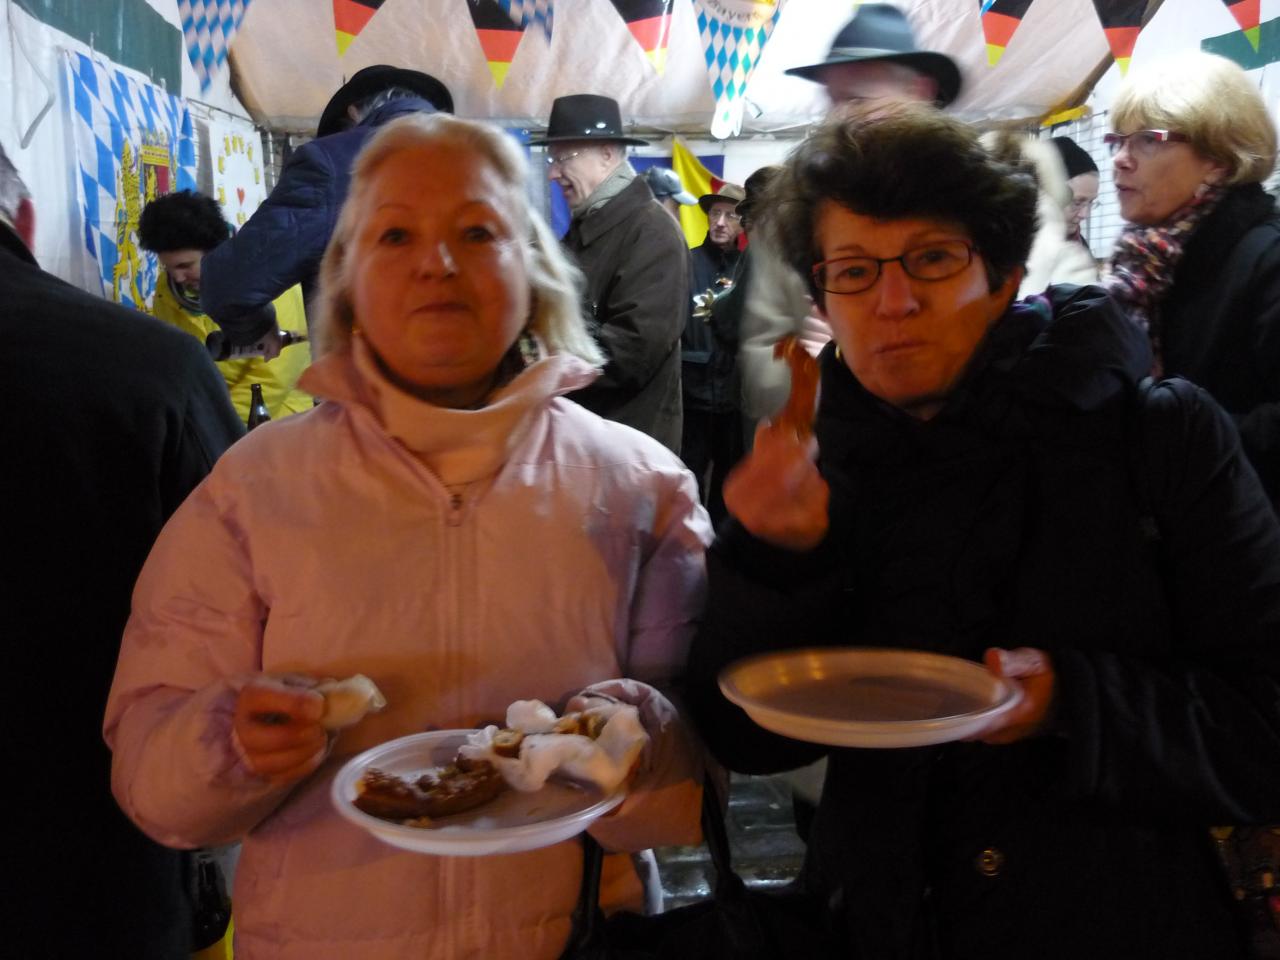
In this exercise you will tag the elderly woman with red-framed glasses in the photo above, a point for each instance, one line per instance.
(994, 483)
(1198, 267)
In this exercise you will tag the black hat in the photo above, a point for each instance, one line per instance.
(880, 32)
(665, 182)
(1075, 158)
(585, 116)
(375, 79)
(728, 193)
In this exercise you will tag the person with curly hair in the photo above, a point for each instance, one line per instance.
(180, 228)
(994, 481)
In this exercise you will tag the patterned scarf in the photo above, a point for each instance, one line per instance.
(1142, 267)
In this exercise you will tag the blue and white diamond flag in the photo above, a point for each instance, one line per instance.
(207, 29)
(133, 143)
(733, 34)
(540, 13)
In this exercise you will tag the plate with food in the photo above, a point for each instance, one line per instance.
(493, 790)
(865, 697)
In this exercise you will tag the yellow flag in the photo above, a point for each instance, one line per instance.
(699, 181)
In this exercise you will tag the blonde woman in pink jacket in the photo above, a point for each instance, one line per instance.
(447, 523)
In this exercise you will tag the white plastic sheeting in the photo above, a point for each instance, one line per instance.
(287, 60)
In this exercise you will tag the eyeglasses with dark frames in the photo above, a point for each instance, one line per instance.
(938, 260)
(1142, 143)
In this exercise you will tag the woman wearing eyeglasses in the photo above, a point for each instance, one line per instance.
(1056, 256)
(1199, 266)
(991, 483)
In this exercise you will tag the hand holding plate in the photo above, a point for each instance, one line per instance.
(1032, 670)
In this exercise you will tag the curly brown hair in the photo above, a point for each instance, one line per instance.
(899, 160)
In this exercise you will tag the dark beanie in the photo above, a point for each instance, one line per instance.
(1074, 157)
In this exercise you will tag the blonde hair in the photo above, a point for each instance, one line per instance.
(555, 314)
(1213, 102)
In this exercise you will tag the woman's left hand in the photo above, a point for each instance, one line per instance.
(1032, 670)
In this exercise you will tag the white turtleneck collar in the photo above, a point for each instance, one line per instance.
(459, 446)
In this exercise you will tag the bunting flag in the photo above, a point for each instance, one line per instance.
(733, 34)
(350, 17)
(207, 29)
(133, 143)
(1249, 16)
(499, 36)
(1000, 18)
(540, 13)
(699, 181)
(1121, 22)
(650, 23)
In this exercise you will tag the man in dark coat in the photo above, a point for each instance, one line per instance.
(113, 418)
(636, 266)
(282, 243)
(712, 440)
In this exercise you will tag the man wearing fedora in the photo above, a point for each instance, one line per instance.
(636, 265)
(873, 57)
(712, 436)
(282, 243)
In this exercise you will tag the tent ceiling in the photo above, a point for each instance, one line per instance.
(287, 65)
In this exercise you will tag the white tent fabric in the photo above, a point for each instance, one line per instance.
(288, 66)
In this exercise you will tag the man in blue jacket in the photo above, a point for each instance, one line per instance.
(282, 243)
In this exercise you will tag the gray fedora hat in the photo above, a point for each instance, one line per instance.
(728, 193)
(585, 116)
(881, 32)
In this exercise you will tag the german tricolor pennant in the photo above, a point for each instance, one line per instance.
(650, 23)
(1248, 16)
(1000, 18)
(350, 17)
(1121, 22)
(499, 36)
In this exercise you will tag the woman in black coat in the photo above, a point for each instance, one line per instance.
(1199, 265)
(993, 483)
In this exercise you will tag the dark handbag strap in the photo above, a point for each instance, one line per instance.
(587, 916)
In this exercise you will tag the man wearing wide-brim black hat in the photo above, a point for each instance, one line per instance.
(635, 261)
(282, 243)
(873, 57)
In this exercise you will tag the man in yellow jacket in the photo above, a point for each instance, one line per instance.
(179, 228)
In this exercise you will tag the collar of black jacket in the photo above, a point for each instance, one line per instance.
(1239, 211)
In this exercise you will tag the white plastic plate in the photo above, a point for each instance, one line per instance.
(510, 823)
(864, 697)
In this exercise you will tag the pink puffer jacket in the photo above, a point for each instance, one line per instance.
(320, 545)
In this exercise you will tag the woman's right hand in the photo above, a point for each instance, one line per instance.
(277, 727)
(777, 493)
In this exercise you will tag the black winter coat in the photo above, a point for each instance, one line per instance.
(1014, 518)
(285, 239)
(1221, 320)
(636, 301)
(709, 365)
(112, 418)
